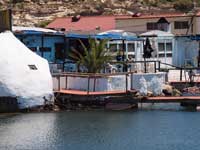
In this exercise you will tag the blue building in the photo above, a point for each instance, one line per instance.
(47, 43)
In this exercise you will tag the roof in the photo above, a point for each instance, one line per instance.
(157, 33)
(117, 35)
(110, 34)
(151, 16)
(90, 23)
(20, 28)
(34, 30)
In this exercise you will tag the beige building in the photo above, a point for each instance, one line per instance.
(177, 24)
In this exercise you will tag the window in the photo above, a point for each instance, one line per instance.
(45, 49)
(169, 55)
(121, 47)
(169, 47)
(181, 25)
(131, 47)
(113, 47)
(32, 67)
(152, 26)
(59, 51)
(161, 47)
(161, 55)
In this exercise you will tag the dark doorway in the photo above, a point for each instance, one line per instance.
(59, 51)
(199, 56)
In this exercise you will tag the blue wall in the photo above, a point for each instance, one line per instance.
(35, 41)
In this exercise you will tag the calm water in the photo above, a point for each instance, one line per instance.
(155, 129)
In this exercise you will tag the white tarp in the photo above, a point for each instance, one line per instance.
(17, 79)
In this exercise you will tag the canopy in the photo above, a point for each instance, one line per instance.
(196, 37)
(79, 36)
(118, 35)
(111, 34)
(156, 33)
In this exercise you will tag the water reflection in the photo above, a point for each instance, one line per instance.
(25, 131)
(97, 130)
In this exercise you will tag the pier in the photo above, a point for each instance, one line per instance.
(92, 95)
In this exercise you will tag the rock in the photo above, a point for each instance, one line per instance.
(54, 9)
(167, 89)
(149, 93)
(176, 92)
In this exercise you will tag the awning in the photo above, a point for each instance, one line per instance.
(195, 37)
(118, 35)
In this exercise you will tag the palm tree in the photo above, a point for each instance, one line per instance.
(94, 58)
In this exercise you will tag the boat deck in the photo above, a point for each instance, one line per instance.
(86, 93)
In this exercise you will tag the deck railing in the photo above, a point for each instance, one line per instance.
(62, 80)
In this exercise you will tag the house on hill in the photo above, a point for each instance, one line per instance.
(176, 23)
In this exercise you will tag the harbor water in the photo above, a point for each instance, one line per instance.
(147, 129)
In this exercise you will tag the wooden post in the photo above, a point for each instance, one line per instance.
(66, 83)
(58, 83)
(63, 67)
(155, 66)
(159, 65)
(123, 44)
(145, 66)
(181, 74)
(88, 89)
(42, 44)
(94, 86)
(126, 82)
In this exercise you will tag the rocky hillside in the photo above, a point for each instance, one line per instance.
(40, 12)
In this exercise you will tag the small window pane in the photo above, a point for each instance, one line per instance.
(169, 55)
(113, 47)
(152, 26)
(161, 55)
(181, 25)
(32, 67)
(168, 46)
(161, 47)
(45, 49)
(120, 46)
(131, 47)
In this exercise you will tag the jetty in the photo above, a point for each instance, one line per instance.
(92, 94)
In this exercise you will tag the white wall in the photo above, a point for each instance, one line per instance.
(185, 50)
(148, 77)
(110, 83)
(197, 25)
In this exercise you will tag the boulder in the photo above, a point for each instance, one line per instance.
(167, 89)
(24, 74)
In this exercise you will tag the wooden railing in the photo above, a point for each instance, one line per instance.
(89, 77)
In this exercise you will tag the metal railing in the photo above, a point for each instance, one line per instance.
(64, 78)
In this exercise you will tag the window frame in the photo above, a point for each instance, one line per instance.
(181, 25)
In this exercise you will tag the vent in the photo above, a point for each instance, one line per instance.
(76, 18)
(136, 14)
(32, 67)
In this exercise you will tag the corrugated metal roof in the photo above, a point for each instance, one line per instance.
(33, 29)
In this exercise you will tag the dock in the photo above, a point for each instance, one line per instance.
(91, 95)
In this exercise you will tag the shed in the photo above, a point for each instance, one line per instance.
(163, 45)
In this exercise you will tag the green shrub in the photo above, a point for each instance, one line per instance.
(43, 24)
(183, 5)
